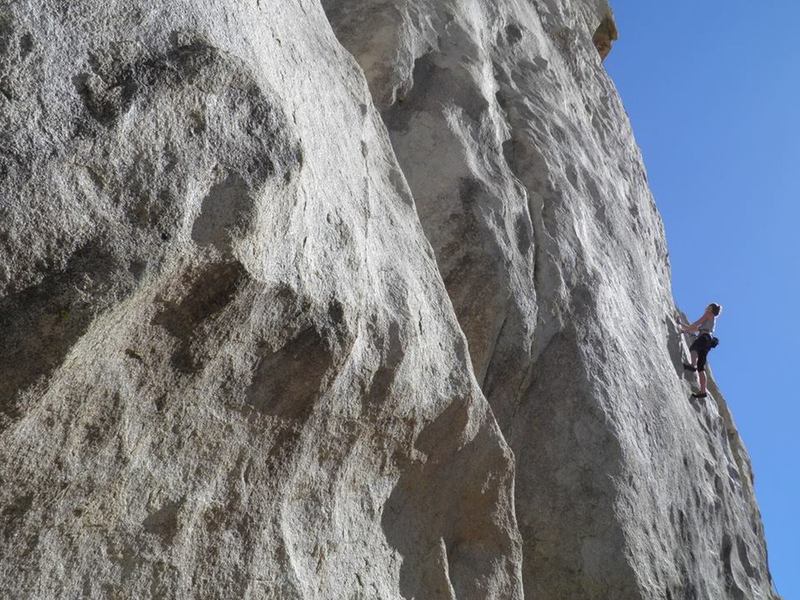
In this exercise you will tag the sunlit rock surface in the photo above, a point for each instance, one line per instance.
(532, 192)
(257, 284)
(229, 367)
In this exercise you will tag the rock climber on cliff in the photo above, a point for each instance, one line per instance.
(704, 326)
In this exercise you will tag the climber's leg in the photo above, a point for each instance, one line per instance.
(701, 376)
(702, 380)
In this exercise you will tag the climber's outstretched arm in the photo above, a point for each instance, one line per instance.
(694, 327)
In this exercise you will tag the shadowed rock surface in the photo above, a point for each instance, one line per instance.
(217, 379)
(532, 191)
(253, 300)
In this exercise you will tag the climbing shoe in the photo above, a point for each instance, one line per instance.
(699, 395)
(689, 367)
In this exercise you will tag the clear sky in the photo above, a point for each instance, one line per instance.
(713, 92)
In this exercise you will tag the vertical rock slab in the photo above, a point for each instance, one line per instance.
(217, 380)
(533, 193)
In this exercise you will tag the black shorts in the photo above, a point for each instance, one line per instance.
(702, 345)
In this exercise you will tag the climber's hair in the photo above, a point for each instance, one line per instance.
(715, 308)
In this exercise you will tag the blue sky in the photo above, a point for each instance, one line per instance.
(713, 92)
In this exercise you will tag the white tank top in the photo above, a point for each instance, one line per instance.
(708, 325)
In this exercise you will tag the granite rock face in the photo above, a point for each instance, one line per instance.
(257, 284)
(217, 379)
(533, 194)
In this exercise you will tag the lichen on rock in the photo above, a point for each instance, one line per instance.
(605, 36)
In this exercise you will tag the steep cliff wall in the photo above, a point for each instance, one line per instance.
(217, 378)
(247, 336)
(532, 191)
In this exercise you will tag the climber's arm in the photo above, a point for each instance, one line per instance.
(695, 327)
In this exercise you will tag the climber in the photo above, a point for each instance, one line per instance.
(702, 345)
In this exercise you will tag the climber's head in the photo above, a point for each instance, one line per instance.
(715, 308)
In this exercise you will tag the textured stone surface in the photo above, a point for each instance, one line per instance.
(217, 380)
(232, 365)
(532, 191)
